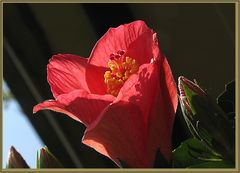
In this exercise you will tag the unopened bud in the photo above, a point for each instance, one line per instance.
(15, 160)
(201, 112)
(47, 160)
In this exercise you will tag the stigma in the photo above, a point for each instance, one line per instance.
(121, 67)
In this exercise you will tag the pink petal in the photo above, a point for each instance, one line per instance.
(135, 38)
(95, 79)
(163, 117)
(141, 89)
(119, 135)
(156, 97)
(66, 73)
(79, 105)
(168, 83)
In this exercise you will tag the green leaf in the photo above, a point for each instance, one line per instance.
(37, 161)
(220, 164)
(226, 100)
(192, 152)
(189, 121)
(7, 166)
(207, 121)
(217, 125)
(189, 94)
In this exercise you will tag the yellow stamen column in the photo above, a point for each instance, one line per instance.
(121, 69)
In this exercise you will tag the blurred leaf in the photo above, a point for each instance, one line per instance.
(7, 95)
(37, 161)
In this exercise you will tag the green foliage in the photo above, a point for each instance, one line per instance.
(220, 164)
(37, 161)
(194, 152)
(212, 125)
(226, 100)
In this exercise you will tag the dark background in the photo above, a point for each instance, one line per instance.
(198, 40)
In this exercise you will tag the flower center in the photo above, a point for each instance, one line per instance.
(121, 67)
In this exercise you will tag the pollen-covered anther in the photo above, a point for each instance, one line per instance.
(121, 68)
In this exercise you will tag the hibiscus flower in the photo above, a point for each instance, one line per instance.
(124, 94)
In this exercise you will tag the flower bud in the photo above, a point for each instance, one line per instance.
(15, 160)
(47, 160)
(188, 89)
(205, 118)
